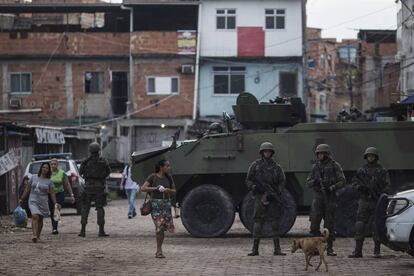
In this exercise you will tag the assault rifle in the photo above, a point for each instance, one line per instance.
(368, 184)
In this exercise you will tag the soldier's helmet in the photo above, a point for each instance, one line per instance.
(215, 128)
(371, 150)
(266, 146)
(323, 148)
(94, 147)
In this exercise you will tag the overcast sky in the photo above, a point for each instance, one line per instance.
(331, 15)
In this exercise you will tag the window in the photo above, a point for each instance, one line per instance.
(229, 80)
(226, 19)
(288, 84)
(124, 131)
(162, 85)
(21, 82)
(275, 19)
(94, 82)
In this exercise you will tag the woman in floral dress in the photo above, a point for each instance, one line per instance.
(161, 188)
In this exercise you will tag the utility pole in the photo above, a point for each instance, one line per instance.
(351, 95)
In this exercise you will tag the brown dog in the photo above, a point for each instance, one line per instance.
(312, 247)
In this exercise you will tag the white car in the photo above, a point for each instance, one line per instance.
(395, 221)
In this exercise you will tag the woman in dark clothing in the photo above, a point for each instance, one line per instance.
(161, 187)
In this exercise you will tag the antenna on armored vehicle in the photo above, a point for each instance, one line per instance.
(227, 122)
(175, 137)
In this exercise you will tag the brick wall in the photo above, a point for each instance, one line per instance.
(49, 89)
(154, 43)
(73, 44)
(177, 106)
(384, 49)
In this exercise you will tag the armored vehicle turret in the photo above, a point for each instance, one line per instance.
(210, 172)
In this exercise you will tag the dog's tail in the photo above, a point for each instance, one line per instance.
(325, 234)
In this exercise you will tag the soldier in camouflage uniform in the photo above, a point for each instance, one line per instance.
(371, 180)
(325, 179)
(94, 170)
(266, 180)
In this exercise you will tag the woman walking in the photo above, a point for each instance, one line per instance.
(40, 187)
(161, 187)
(60, 182)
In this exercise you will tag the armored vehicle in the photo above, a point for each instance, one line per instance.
(210, 172)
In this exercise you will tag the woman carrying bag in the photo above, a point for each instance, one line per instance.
(161, 188)
(40, 187)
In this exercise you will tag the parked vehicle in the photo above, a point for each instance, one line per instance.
(68, 165)
(210, 173)
(395, 221)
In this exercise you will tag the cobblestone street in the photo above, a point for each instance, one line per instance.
(131, 246)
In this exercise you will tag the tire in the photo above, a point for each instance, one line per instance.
(346, 212)
(287, 218)
(207, 211)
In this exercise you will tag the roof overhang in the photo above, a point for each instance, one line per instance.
(60, 8)
(160, 2)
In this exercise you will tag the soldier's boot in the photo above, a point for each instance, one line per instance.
(255, 250)
(329, 250)
(102, 231)
(278, 251)
(358, 249)
(82, 231)
(377, 249)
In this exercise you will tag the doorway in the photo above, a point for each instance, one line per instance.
(119, 93)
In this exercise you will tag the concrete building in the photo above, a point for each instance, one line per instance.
(331, 64)
(405, 54)
(254, 46)
(378, 81)
(129, 68)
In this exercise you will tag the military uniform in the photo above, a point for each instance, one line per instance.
(266, 179)
(371, 180)
(95, 170)
(325, 179)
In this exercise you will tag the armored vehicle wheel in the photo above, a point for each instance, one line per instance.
(207, 211)
(346, 212)
(287, 218)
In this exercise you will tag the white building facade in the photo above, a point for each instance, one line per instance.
(405, 34)
(255, 46)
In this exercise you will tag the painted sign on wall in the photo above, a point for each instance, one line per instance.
(187, 42)
(49, 136)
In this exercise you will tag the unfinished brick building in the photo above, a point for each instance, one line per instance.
(88, 63)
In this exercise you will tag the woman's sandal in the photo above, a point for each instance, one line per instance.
(159, 255)
(34, 239)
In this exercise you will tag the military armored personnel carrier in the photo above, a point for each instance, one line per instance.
(210, 172)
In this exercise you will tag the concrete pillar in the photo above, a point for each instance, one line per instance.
(69, 90)
(5, 88)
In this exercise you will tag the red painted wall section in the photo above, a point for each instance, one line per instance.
(250, 42)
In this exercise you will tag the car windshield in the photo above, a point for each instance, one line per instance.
(34, 167)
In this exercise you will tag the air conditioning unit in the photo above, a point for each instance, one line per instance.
(399, 56)
(15, 103)
(187, 69)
